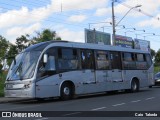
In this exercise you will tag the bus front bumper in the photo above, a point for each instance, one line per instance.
(22, 93)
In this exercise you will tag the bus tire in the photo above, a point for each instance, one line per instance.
(66, 91)
(40, 99)
(134, 85)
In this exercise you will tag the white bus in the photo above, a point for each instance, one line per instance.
(65, 69)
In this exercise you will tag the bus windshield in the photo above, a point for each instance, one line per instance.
(23, 66)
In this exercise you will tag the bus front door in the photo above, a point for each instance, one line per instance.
(116, 68)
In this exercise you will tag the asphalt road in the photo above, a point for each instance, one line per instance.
(87, 108)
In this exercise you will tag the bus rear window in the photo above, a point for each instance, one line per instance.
(149, 60)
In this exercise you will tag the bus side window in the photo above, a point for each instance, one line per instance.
(87, 59)
(67, 59)
(128, 56)
(133, 56)
(102, 60)
(83, 59)
(49, 67)
(141, 61)
(115, 60)
(128, 60)
(41, 66)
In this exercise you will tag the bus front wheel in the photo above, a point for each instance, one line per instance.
(66, 91)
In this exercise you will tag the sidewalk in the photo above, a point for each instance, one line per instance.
(7, 100)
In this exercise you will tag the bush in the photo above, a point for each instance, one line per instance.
(156, 69)
(1, 68)
(2, 81)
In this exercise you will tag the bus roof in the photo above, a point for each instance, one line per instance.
(41, 46)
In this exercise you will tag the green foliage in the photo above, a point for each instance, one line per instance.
(13, 51)
(3, 48)
(153, 53)
(46, 35)
(157, 58)
(2, 81)
(21, 43)
(156, 69)
(1, 66)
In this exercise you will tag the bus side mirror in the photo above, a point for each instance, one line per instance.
(45, 58)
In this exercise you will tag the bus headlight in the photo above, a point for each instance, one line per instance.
(158, 80)
(27, 85)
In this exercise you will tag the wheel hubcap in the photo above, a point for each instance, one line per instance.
(66, 91)
(134, 86)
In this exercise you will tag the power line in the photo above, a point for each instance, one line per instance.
(33, 3)
(53, 19)
(60, 20)
(139, 10)
(77, 12)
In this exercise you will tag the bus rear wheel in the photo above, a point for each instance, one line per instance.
(66, 91)
(134, 85)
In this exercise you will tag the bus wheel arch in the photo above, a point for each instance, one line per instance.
(67, 90)
(135, 85)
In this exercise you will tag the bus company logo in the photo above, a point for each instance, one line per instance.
(6, 114)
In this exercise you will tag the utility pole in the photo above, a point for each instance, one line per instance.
(113, 24)
(113, 19)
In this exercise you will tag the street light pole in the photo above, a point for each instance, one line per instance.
(113, 20)
(128, 12)
(113, 24)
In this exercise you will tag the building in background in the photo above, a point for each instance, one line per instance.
(142, 44)
(97, 37)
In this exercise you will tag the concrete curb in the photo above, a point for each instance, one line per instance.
(7, 100)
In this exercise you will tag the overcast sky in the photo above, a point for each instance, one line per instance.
(69, 18)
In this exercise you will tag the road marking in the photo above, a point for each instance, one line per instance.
(135, 101)
(118, 104)
(71, 113)
(150, 98)
(42, 119)
(98, 108)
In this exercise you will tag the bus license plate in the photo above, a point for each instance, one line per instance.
(9, 86)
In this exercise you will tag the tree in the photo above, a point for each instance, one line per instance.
(157, 58)
(1, 66)
(46, 35)
(13, 51)
(153, 53)
(3, 48)
(22, 43)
